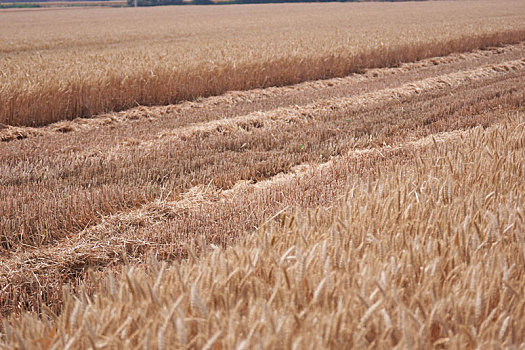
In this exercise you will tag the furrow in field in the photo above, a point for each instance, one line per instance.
(145, 114)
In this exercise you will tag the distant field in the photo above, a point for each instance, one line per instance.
(82, 3)
(64, 64)
(46, 4)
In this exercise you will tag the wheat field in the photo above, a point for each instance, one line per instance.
(352, 178)
(430, 253)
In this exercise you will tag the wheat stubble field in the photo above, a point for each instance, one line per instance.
(225, 177)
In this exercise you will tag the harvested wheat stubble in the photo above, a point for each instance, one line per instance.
(118, 228)
(128, 175)
(169, 56)
(159, 227)
(89, 184)
(428, 253)
(296, 94)
(299, 113)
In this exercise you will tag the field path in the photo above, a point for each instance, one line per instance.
(168, 181)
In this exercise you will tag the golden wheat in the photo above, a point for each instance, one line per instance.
(191, 225)
(58, 187)
(428, 254)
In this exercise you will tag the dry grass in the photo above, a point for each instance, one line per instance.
(428, 253)
(118, 58)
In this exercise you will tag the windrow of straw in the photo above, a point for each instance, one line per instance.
(254, 99)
